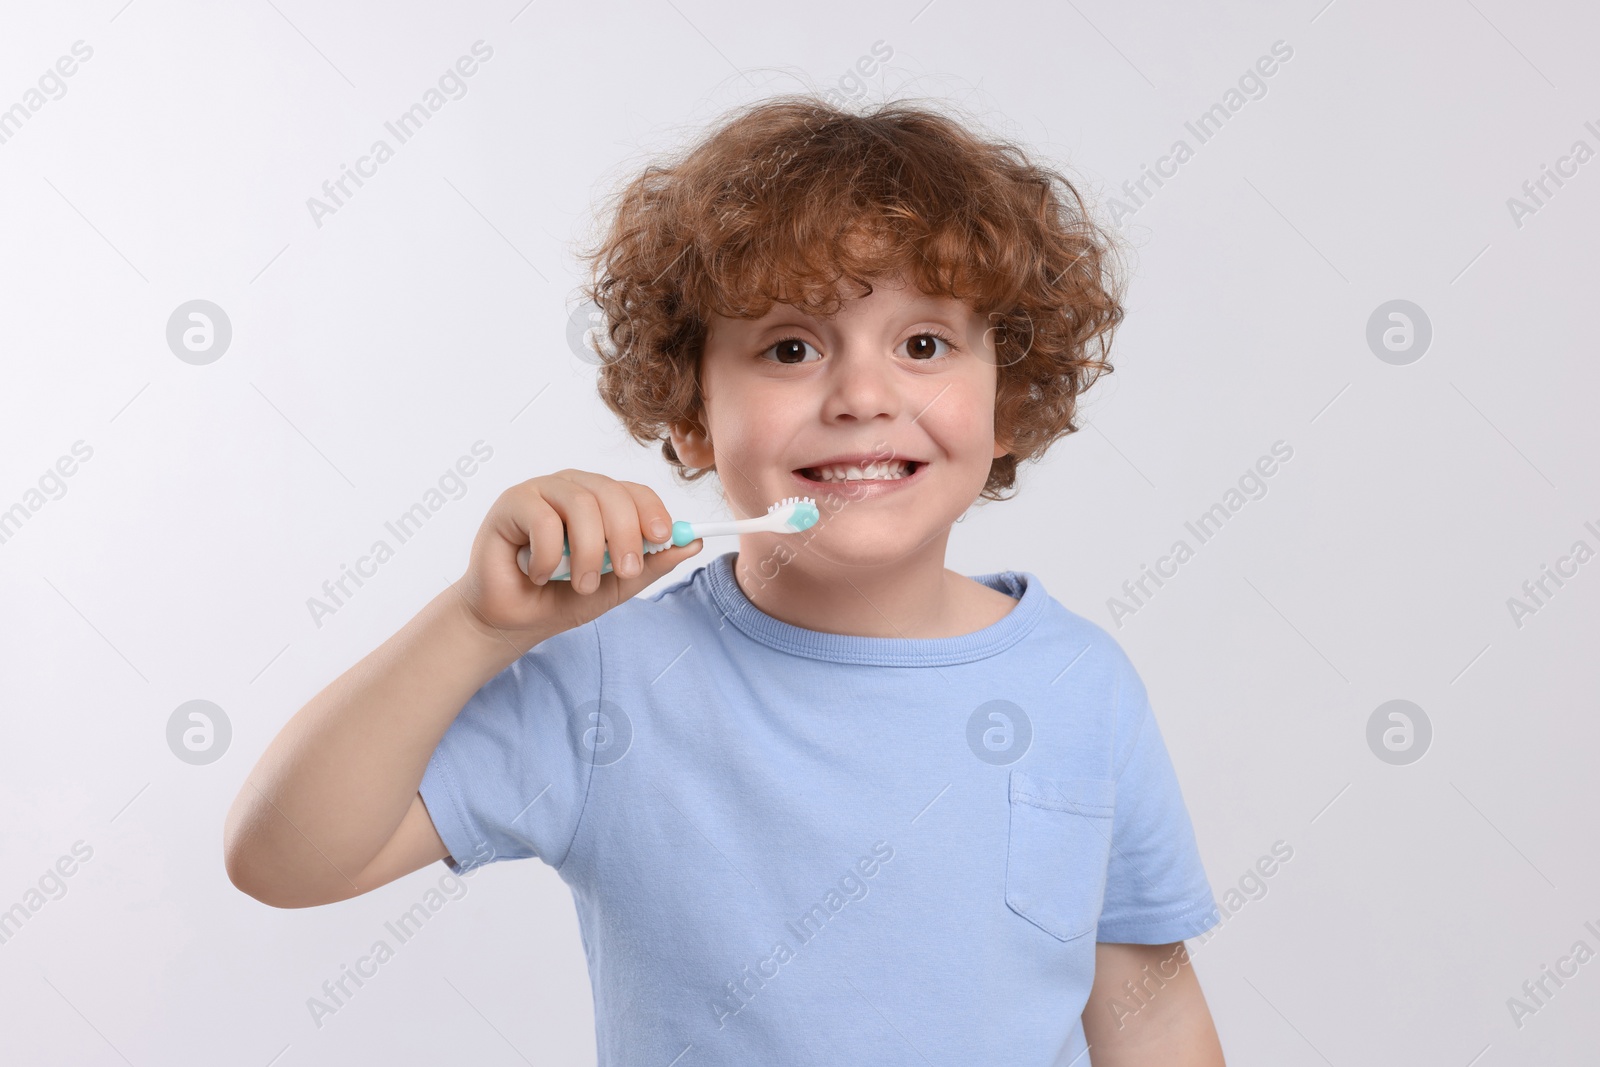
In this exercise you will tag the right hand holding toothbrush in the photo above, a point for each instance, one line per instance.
(597, 515)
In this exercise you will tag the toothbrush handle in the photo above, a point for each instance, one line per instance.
(715, 529)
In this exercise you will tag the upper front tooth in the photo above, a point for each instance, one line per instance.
(872, 470)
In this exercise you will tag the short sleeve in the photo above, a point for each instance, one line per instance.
(505, 781)
(1156, 888)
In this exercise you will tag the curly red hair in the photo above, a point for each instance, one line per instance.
(789, 196)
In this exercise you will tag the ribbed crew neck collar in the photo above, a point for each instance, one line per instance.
(881, 651)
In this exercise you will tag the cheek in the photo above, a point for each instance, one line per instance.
(727, 407)
(962, 419)
(753, 424)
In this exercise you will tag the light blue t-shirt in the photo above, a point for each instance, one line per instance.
(788, 846)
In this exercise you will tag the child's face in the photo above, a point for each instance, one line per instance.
(872, 381)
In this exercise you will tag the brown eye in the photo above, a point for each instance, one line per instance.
(790, 350)
(925, 346)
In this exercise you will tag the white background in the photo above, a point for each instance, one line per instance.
(370, 352)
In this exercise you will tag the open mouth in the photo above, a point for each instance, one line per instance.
(842, 474)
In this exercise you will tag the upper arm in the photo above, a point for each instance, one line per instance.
(1164, 1020)
(414, 844)
(1156, 890)
(510, 776)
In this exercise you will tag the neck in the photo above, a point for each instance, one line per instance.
(913, 596)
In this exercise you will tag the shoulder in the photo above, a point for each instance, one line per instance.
(1101, 670)
(1062, 626)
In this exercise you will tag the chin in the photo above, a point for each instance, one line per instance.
(861, 547)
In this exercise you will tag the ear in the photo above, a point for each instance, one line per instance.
(692, 444)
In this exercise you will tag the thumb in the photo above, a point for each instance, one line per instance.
(668, 558)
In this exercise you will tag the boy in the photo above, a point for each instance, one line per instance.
(823, 800)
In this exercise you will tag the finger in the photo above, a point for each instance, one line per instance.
(620, 521)
(521, 517)
(654, 566)
(655, 524)
(657, 564)
(578, 519)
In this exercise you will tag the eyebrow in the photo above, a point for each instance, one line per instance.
(921, 307)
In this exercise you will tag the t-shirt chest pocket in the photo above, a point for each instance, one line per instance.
(1057, 851)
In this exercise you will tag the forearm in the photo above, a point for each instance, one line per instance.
(1146, 1009)
(331, 788)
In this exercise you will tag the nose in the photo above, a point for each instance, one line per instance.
(862, 384)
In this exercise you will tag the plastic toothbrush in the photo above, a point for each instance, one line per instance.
(789, 515)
